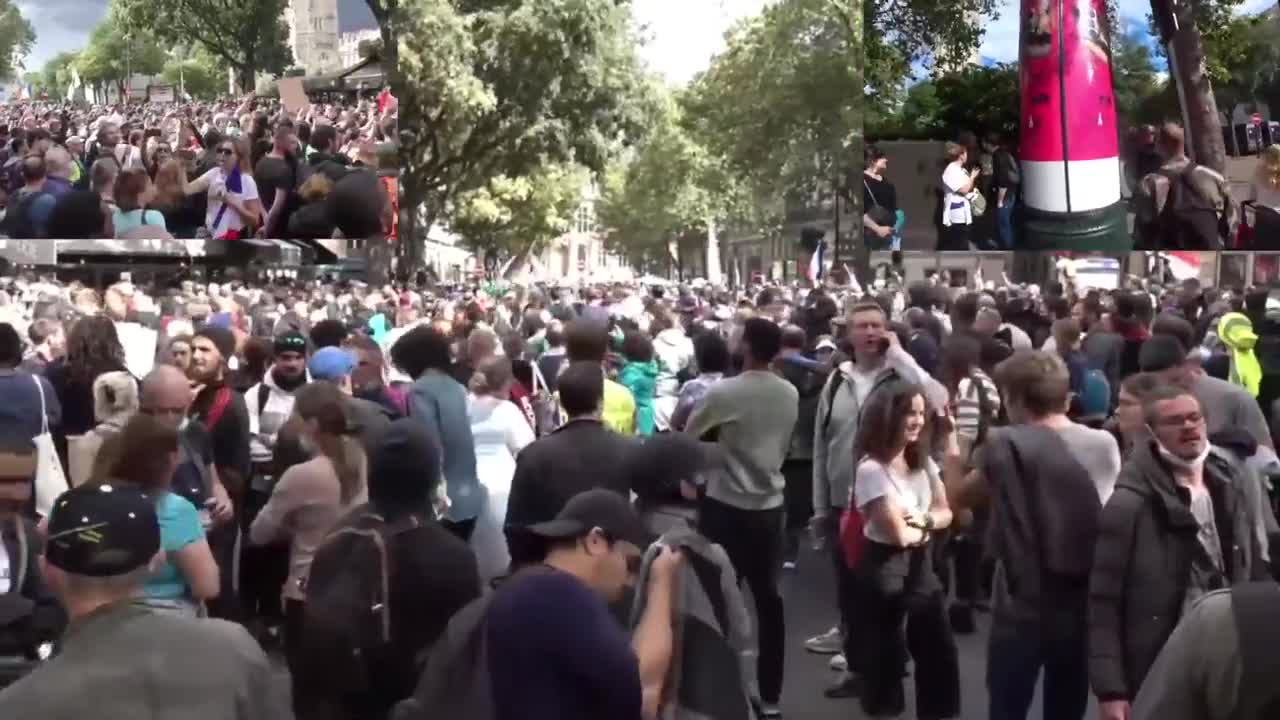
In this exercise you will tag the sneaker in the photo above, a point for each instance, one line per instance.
(828, 643)
(838, 663)
(789, 565)
(770, 710)
(846, 686)
(962, 620)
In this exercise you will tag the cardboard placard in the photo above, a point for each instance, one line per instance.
(292, 95)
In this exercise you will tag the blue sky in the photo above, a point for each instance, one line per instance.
(1000, 41)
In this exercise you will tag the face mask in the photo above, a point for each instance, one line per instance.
(1181, 463)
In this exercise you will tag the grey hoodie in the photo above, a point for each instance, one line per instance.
(838, 417)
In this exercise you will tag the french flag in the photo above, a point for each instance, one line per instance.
(815, 263)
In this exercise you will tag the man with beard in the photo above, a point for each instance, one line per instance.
(263, 569)
(222, 412)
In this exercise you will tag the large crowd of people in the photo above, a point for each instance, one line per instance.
(551, 502)
(232, 169)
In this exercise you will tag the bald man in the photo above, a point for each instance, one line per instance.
(166, 396)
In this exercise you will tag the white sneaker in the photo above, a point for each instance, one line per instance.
(789, 565)
(770, 711)
(828, 643)
(838, 663)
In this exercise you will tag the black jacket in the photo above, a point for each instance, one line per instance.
(580, 455)
(30, 614)
(1142, 566)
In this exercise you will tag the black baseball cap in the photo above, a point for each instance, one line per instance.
(597, 508)
(103, 530)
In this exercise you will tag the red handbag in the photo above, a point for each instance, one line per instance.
(852, 537)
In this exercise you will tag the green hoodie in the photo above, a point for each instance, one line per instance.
(641, 378)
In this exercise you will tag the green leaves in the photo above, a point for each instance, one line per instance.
(115, 47)
(508, 216)
(16, 39)
(249, 36)
(503, 88)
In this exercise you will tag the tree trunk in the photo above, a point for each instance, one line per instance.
(1186, 56)
(712, 255)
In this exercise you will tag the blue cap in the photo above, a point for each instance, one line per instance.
(331, 363)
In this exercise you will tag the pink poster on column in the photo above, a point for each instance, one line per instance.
(1040, 139)
(1091, 110)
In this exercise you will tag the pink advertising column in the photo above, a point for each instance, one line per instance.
(1069, 146)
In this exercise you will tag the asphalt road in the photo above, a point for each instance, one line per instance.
(809, 597)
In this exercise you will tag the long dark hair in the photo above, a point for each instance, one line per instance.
(93, 348)
(884, 421)
(325, 403)
(139, 454)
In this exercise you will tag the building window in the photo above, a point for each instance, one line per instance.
(584, 220)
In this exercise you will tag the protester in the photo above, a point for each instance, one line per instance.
(119, 659)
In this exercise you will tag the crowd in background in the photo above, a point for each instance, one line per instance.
(1089, 469)
(226, 170)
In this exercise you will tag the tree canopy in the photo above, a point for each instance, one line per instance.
(16, 39)
(196, 71)
(782, 104)
(115, 48)
(248, 36)
(508, 216)
(501, 88)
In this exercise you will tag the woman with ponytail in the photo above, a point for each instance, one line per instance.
(312, 496)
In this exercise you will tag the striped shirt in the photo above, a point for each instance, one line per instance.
(968, 403)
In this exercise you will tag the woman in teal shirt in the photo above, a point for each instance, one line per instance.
(145, 453)
(132, 192)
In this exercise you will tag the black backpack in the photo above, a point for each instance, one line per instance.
(348, 609)
(455, 681)
(17, 222)
(1188, 220)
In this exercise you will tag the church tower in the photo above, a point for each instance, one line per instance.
(313, 35)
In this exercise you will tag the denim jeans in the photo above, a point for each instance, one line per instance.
(1019, 650)
(1004, 223)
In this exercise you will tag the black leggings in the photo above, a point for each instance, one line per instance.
(753, 539)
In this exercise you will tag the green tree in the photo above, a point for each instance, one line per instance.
(248, 36)
(669, 188)
(115, 49)
(783, 103)
(501, 87)
(197, 72)
(16, 39)
(1133, 72)
(58, 72)
(509, 216)
(901, 33)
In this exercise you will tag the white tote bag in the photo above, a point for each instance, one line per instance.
(50, 480)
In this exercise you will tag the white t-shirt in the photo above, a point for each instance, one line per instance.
(1264, 195)
(231, 219)
(955, 207)
(875, 480)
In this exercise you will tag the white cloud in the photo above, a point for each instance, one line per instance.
(683, 35)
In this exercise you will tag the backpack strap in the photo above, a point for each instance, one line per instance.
(221, 399)
(833, 388)
(1256, 609)
(264, 394)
